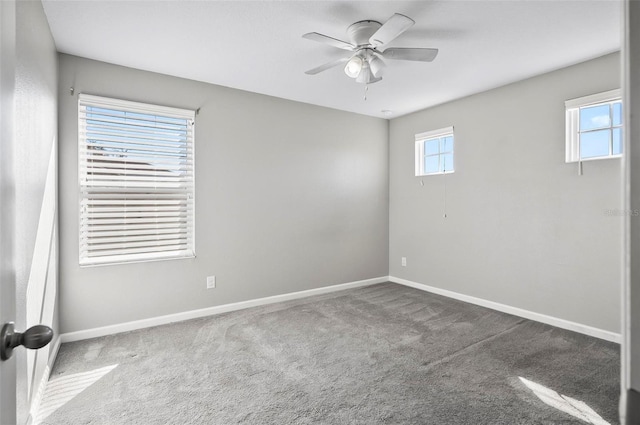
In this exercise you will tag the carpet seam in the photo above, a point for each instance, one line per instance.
(461, 351)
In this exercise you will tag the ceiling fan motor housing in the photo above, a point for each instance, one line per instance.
(360, 32)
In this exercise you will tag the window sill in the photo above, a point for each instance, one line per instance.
(133, 261)
(595, 158)
(436, 174)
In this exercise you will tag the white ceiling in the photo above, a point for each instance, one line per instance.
(257, 45)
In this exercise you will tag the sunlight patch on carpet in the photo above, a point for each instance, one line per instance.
(576, 408)
(62, 390)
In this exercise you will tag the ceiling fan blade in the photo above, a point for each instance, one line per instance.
(321, 38)
(327, 65)
(410, 54)
(395, 26)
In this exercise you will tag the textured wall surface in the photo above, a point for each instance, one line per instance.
(289, 197)
(522, 227)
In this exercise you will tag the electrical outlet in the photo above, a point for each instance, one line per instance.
(404, 261)
(211, 282)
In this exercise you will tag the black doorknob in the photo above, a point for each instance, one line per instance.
(35, 337)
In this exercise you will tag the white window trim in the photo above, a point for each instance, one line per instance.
(572, 122)
(419, 150)
(98, 101)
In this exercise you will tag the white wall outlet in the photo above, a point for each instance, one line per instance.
(404, 261)
(211, 282)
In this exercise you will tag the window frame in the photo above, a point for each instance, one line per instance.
(186, 188)
(572, 124)
(420, 156)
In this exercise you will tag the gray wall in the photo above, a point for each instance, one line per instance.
(289, 197)
(36, 90)
(523, 228)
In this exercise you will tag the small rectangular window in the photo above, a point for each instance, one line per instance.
(136, 181)
(434, 152)
(594, 127)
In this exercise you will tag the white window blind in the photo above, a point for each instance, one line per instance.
(136, 171)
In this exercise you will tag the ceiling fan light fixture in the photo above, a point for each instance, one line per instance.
(354, 66)
(365, 75)
(376, 65)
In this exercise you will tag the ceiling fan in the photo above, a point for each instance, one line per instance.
(368, 41)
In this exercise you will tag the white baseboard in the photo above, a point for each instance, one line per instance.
(538, 317)
(209, 311)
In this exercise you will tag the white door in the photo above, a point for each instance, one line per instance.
(7, 204)
(28, 237)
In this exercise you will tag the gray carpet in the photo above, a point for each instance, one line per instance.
(383, 354)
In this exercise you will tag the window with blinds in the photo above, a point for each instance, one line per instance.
(136, 172)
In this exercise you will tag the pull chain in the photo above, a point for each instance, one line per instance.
(366, 88)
